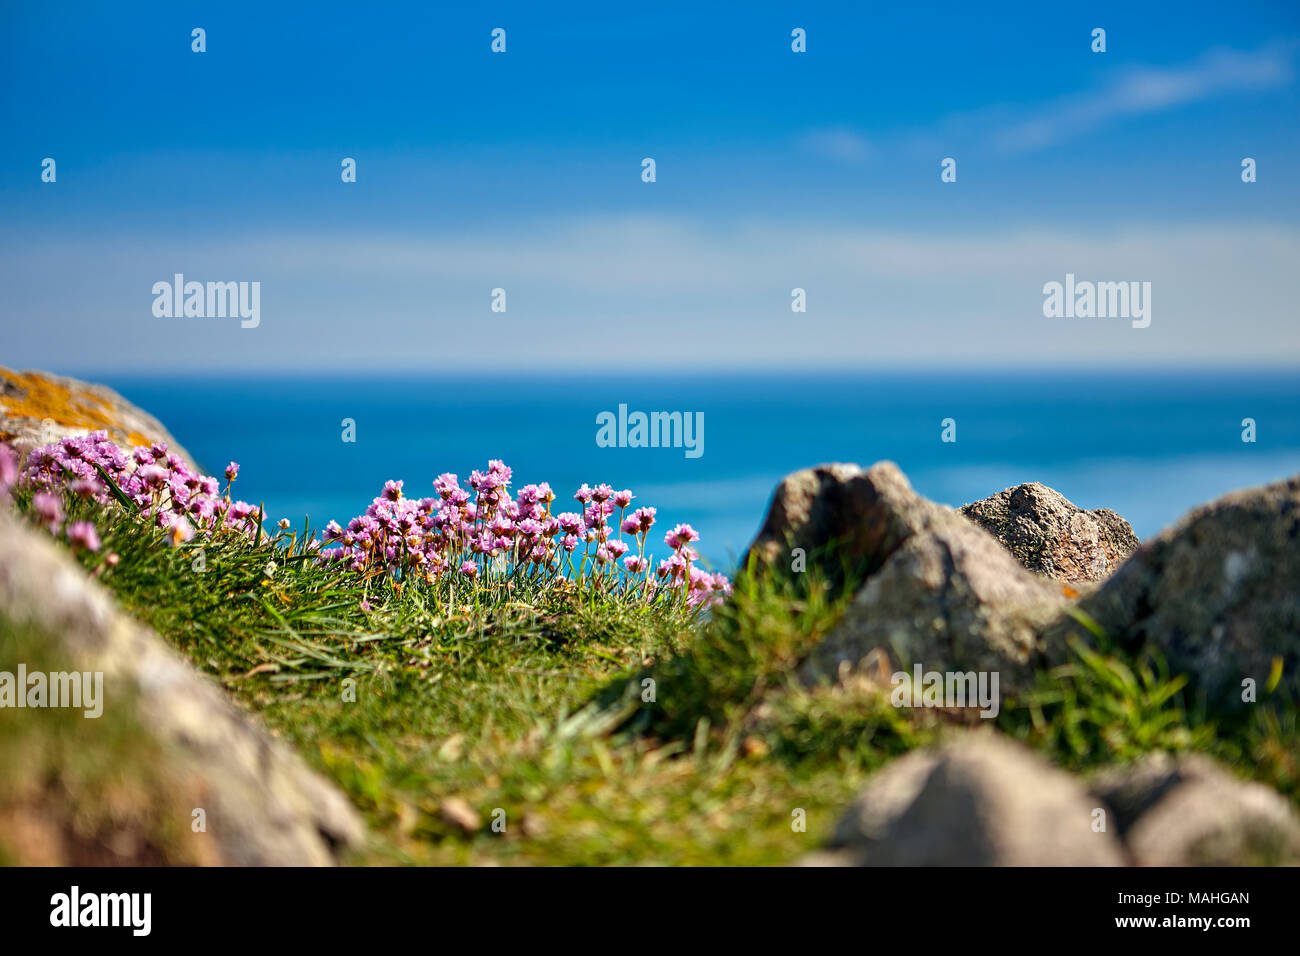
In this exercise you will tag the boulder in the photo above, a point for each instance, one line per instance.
(1189, 811)
(980, 800)
(939, 591)
(949, 598)
(843, 518)
(1218, 594)
(263, 805)
(1049, 534)
(37, 408)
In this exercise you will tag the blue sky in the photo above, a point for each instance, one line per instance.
(522, 171)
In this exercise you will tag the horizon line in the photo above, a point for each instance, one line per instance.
(530, 371)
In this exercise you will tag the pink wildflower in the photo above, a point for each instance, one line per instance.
(82, 534)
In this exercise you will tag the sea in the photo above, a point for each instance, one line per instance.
(1148, 444)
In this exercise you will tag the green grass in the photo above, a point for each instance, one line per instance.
(532, 700)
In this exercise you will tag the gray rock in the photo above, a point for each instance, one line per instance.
(1218, 594)
(37, 408)
(948, 598)
(1189, 811)
(887, 796)
(939, 590)
(1049, 534)
(981, 800)
(264, 805)
(842, 517)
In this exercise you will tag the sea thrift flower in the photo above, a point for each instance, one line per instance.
(48, 509)
(85, 487)
(82, 534)
(623, 498)
(153, 476)
(681, 536)
(8, 468)
(645, 518)
(179, 529)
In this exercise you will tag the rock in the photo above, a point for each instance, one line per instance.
(1218, 594)
(941, 592)
(886, 798)
(37, 408)
(842, 517)
(263, 805)
(1049, 534)
(457, 812)
(1189, 811)
(981, 800)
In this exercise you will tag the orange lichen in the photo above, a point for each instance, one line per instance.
(32, 395)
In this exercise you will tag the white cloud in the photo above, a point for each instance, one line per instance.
(1140, 91)
(659, 292)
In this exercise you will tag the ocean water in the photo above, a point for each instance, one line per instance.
(1150, 445)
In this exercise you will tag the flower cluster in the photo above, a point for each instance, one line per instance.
(482, 533)
(159, 485)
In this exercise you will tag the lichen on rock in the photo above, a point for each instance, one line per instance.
(37, 408)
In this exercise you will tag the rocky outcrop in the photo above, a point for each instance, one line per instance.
(1189, 811)
(950, 599)
(939, 591)
(37, 408)
(1218, 594)
(842, 518)
(263, 805)
(1049, 534)
(981, 800)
